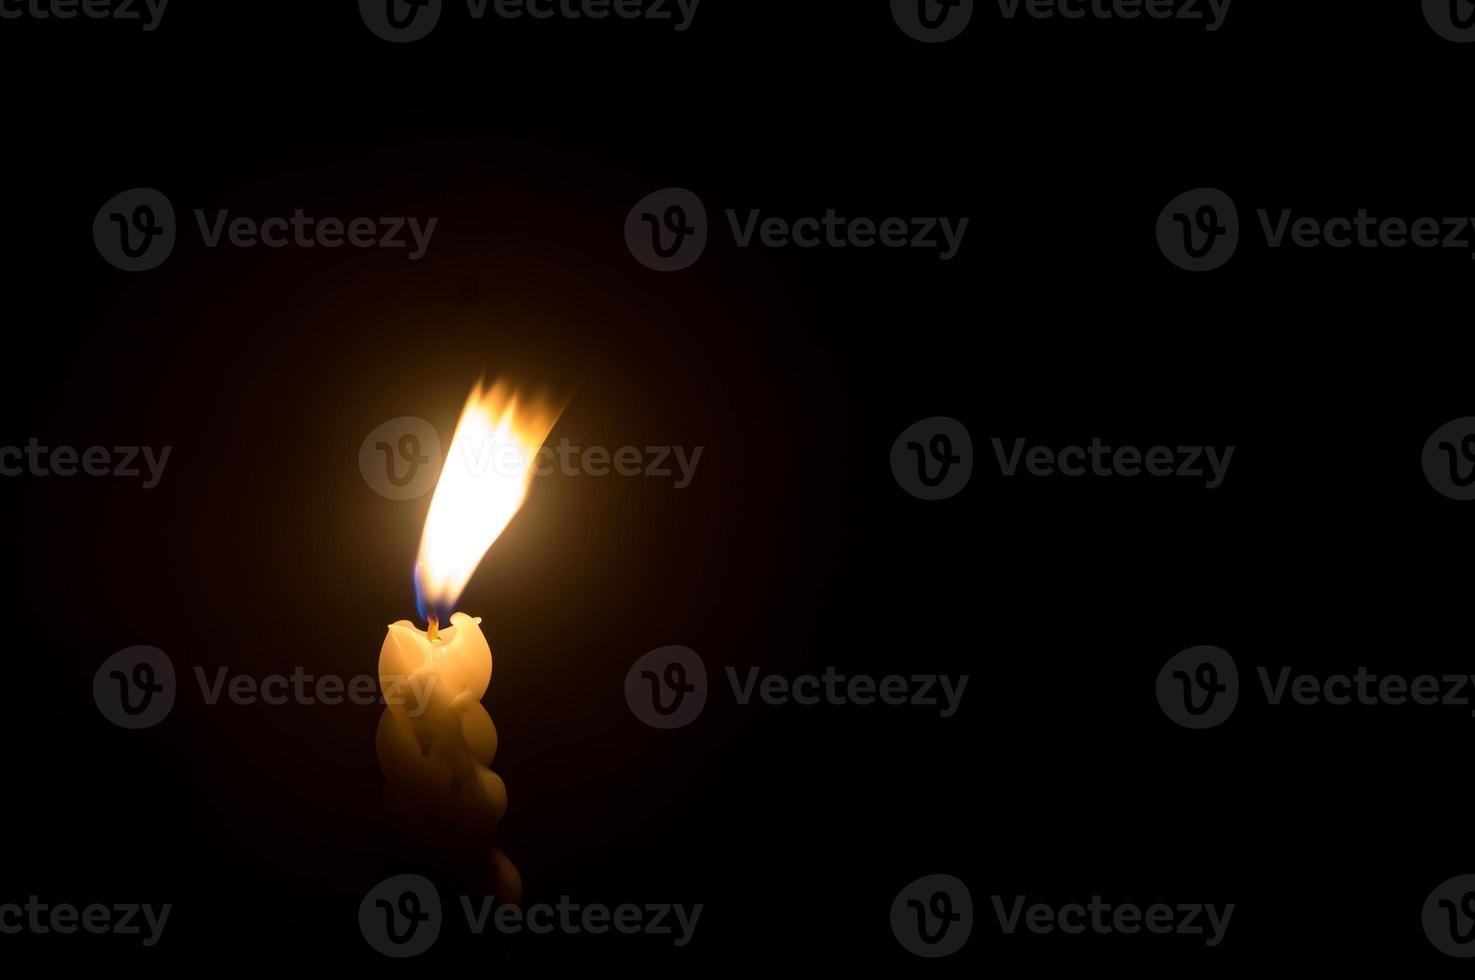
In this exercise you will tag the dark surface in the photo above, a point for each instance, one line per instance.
(262, 549)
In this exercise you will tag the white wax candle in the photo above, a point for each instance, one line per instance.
(436, 741)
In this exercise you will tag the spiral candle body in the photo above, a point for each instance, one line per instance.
(436, 741)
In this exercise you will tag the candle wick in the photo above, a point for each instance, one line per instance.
(434, 630)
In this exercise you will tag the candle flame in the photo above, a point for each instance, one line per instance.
(488, 471)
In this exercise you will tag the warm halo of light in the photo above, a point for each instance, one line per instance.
(488, 471)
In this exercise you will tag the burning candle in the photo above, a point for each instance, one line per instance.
(435, 740)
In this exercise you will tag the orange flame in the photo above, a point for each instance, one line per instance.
(487, 474)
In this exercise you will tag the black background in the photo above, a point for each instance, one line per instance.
(794, 549)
